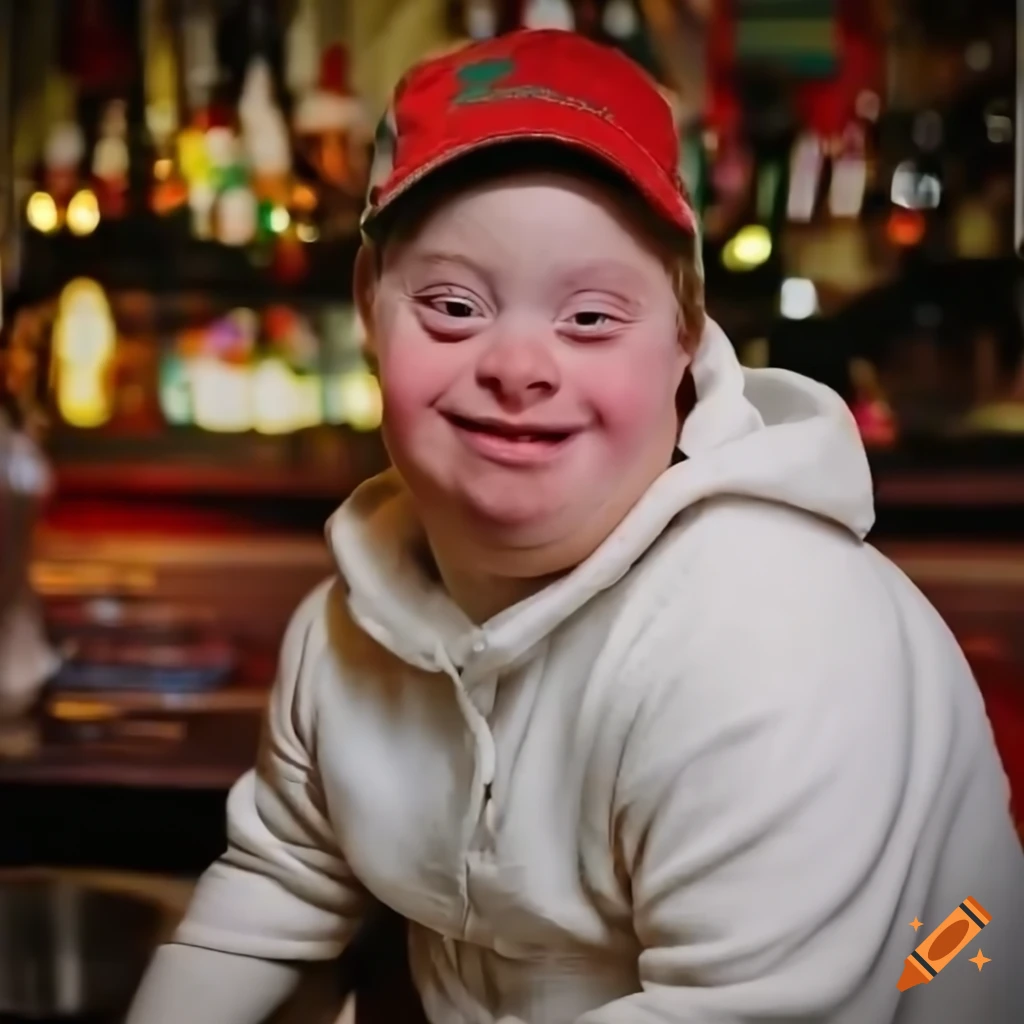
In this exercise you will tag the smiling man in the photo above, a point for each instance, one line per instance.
(609, 699)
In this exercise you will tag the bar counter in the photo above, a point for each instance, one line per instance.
(203, 742)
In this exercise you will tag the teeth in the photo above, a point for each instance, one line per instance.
(509, 435)
(527, 437)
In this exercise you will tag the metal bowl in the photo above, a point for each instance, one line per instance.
(70, 951)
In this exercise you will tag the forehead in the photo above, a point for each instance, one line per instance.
(540, 208)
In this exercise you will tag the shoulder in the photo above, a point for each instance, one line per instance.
(771, 650)
(306, 645)
(751, 536)
(310, 623)
(729, 556)
(753, 602)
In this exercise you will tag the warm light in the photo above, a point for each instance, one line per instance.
(85, 340)
(83, 213)
(749, 248)
(284, 401)
(799, 298)
(41, 212)
(162, 168)
(304, 198)
(307, 233)
(221, 396)
(358, 400)
(905, 227)
(279, 220)
(169, 195)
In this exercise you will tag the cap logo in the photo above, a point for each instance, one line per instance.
(479, 83)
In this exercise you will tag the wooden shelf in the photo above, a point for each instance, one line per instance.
(158, 256)
(191, 480)
(953, 488)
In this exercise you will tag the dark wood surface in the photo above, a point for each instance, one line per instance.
(214, 751)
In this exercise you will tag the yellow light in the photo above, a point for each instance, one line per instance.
(357, 396)
(750, 247)
(162, 168)
(283, 401)
(83, 213)
(307, 233)
(85, 341)
(41, 212)
(279, 220)
(221, 396)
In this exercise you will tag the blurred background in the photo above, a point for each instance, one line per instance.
(185, 398)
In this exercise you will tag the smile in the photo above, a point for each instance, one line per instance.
(511, 443)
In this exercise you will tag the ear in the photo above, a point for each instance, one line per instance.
(365, 278)
(685, 346)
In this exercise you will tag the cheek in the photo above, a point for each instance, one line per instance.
(413, 376)
(634, 397)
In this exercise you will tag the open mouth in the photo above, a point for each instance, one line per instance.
(510, 432)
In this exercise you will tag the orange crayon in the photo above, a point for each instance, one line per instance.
(943, 944)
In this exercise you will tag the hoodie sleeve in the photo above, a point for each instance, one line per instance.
(282, 890)
(761, 809)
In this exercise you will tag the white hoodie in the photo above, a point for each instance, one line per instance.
(708, 777)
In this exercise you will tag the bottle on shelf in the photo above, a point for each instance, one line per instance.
(110, 161)
(556, 14)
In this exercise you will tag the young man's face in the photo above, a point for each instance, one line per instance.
(529, 351)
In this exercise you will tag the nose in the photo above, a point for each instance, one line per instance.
(519, 369)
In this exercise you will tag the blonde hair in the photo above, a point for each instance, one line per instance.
(679, 251)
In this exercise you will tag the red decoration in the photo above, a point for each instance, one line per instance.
(826, 107)
(290, 260)
(334, 70)
(724, 113)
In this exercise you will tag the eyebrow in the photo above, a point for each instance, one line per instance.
(440, 257)
(605, 271)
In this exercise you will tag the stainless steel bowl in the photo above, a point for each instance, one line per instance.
(69, 951)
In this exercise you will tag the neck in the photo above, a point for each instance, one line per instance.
(481, 596)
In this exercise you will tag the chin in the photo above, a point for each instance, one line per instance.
(512, 507)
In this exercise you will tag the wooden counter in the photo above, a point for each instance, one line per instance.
(214, 751)
(253, 584)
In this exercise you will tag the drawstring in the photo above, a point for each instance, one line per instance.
(477, 725)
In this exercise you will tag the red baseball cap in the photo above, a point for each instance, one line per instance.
(531, 85)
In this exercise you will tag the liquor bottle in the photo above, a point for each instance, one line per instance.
(332, 127)
(556, 14)
(265, 135)
(302, 50)
(806, 166)
(477, 19)
(849, 173)
(623, 25)
(63, 153)
(110, 161)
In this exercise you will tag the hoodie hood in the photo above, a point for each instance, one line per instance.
(766, 434)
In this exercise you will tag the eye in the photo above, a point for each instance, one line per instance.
(450, 305)
(590, 318)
